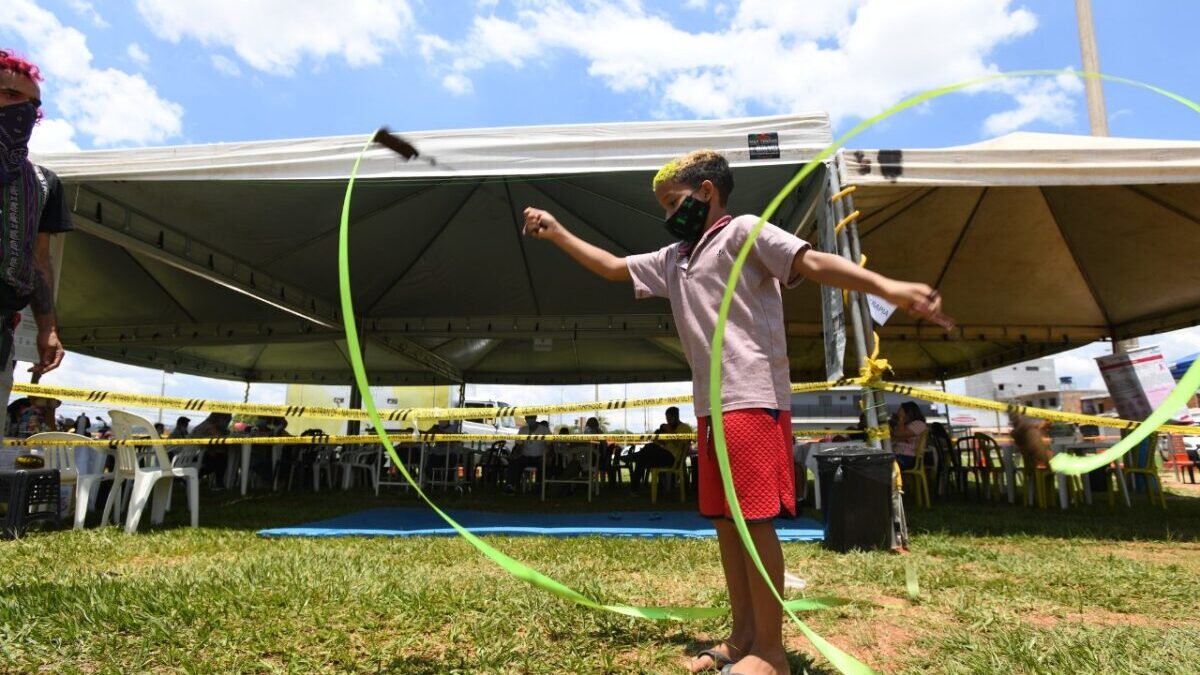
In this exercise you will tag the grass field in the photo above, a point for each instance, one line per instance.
(1003, 589)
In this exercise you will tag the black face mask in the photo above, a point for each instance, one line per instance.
(16, 125)
(687, 223)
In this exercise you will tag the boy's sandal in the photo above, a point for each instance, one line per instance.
(719, 660)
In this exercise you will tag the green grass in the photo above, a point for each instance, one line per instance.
(1003, 589)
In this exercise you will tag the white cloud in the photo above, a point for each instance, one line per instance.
(1043, 100)
(849, 57)
(53, 135)
(274, 36)
(137, 54)
(88, 11)
(112, 106)
(115, 107)
(226, 65)
(457, 83)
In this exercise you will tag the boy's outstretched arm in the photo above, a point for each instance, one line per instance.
(917, 299)
(542, 225)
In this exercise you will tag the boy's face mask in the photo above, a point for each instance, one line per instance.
(688, 221)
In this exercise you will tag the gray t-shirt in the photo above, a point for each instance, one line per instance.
(754, 365)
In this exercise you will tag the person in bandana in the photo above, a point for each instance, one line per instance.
(692, 273)
(32, 209)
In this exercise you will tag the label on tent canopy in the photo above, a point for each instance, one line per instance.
(1139, 382)
(881, 310)
(764, 145)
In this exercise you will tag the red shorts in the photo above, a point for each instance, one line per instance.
(759, 443)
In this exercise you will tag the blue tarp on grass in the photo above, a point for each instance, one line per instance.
(411, 522)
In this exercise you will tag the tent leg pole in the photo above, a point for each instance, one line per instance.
(354, 426)
(861, 326)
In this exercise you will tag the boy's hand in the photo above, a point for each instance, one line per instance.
(919, 300)
(541, 224)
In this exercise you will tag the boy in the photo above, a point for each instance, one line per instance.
(693, 191)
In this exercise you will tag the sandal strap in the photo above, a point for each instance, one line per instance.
(717, 657)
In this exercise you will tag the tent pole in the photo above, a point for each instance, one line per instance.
(861, 325)
(354, 426)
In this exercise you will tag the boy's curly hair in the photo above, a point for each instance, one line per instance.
(696, 167)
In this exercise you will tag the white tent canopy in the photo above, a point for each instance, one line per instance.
(220, 259)
(1036, 238)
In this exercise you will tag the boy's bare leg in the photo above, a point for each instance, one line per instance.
(767, 656)
(733, 560)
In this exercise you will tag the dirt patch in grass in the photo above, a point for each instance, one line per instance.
(1186, 555)
(887, 638)
(1095, 616)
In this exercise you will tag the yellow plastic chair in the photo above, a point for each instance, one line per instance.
(920, 481)
(677, 470)
(1146, 467)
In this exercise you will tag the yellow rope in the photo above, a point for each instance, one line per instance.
(845, 221)
(845, 191)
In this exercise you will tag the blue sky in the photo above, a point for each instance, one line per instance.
(156, 72)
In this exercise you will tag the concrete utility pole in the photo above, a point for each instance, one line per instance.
(1097, 115)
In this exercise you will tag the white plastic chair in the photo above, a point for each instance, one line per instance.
(62, 457)
(323, 462)
(147, 479)
(185, 456)
(366, 460)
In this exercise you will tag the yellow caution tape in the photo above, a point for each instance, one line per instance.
(332, 413)
(870, 375)
(429, 437)
(1052, 415)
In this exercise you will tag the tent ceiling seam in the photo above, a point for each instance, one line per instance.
(387, 289)
(573, 214)
(1159, 201)
(334, 230)
(1087, 280)
(899, 211)
(517, 227)
(158, 283)
(962, 234)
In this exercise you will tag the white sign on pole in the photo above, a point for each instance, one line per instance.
(833, 314)
(881, 310)
(1139, 381)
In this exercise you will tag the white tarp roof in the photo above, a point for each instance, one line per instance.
(502, 151)
(220, 259)
(1025, 158)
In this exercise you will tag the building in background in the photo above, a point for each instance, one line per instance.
(1009, 382)
(1064, 399)
(839, 408)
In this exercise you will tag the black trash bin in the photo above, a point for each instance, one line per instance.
(856, 498)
